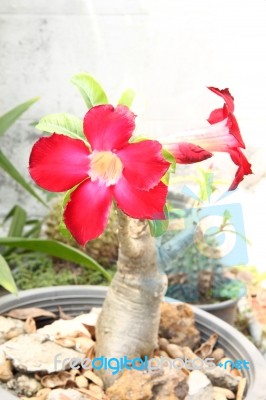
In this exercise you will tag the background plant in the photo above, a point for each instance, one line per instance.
(194, 276)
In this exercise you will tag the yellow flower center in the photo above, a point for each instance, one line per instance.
(105, 166)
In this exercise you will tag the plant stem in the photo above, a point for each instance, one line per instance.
(129, 321)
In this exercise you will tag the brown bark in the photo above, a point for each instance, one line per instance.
(129, 321)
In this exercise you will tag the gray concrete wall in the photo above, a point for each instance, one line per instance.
(167, 50)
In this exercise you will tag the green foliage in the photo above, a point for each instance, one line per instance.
(56, 249)
(6, 121)
(91, 91)
(6, 278)
(170, 158)
(9, 168)
(11, 116)
(127, 98)
(62, 123)
(195, 274)
(257, 277)
(33, 267)
(232, 289)
(206, 185)
(159, 227)
(58, 215)
(33, 270)
(19, 217)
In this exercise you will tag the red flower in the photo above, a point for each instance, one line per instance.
(223, 135)
(129, 173)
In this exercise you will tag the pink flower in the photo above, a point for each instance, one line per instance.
(113, 169)
(223, 135)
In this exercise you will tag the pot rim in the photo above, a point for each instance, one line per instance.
(216, 306)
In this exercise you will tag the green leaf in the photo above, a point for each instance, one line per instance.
(18, 221)
(159, 227)
(64, 231)
(226, 217)
(166, 178)
(206, 185)
(9, 168)
(35, 231)
(137, 139)
(177, 213)
(90, 89)
(170, 158)
(63, 123)
(127, 98)
(67, 196)
(6, 278)
(62, 226)
(56, 249)
(11, 116)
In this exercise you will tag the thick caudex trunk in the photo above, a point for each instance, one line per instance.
(129, 321)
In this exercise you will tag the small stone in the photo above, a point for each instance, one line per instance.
(219, 396)
(163, 353)
(189, 353)
(83, 344)
(66, 342)
(200, 387)
(56, 379)
(131, 385)
(6, 371)
(162, 342)
(42, 394)
(217, 354)
(95, 388)
(48, 356)
(30, 325)
(222, 378)
(24, 385)
(241, 389)
(92, 395)
(174, 351)
(62, 328)
(9, 328)
(91, 376)
(177, 325)
(166, 384)
(226, 392)
(81, 381)
(66, 394)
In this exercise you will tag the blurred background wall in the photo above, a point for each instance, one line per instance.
(167, 50)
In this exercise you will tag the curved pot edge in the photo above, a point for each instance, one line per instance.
(217, 306)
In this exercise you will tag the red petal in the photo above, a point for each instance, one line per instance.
(226, 95)
(86, 213)
(216, 116)
(234, 129)
(58, 163)
(244, 167)
(146, 204)
(188, 153)
(143, 164)
(109, 128)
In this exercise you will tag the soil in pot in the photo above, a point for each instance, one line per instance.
(179, 339)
